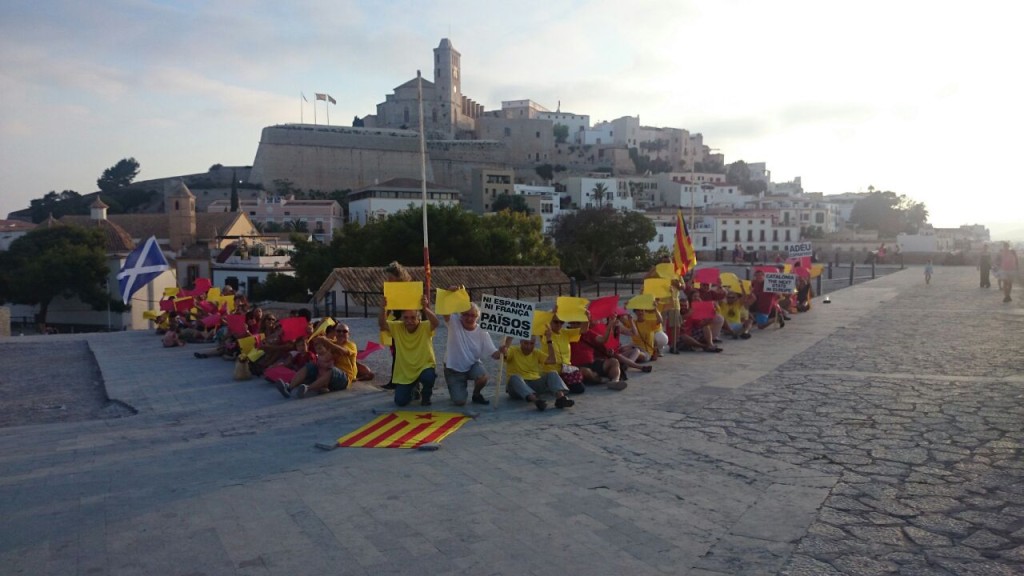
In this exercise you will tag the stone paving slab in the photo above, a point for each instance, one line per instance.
(874, 435)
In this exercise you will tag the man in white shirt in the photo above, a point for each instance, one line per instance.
(467, 344)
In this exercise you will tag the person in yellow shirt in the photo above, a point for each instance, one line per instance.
(414, 352)
(560, 338)
(527, 378)
(333, 370)
(737, 317)
(645, 331)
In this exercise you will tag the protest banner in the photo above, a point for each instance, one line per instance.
(799, 249)
(780, 283)
(506, 316)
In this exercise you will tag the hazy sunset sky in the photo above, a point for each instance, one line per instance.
(921, 98)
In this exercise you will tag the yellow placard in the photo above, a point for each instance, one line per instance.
(322, 327)
(213, 293)
(641, 302)
(658, 287)
(451, 301)
(541, 322)
(255, 354)
(247, 344)
(572, 309)
(787, 268)
(171, 291)
(228, 300)
(385, 339)
(152, 314)
(731, 282)
(666, 270)
(404, 295)
(816, 270)
(747, 288)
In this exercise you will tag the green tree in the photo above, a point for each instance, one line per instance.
(64, 261)
(561, 133)
(889, 213)
(597, 241)
(600, 192)
(119, 175)
(515, 203)
(52, 203)
(545, 171)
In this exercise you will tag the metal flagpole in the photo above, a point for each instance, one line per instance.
(327, 107)
(302, 109)
(423, 185)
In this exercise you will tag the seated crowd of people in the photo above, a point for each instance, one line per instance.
(565, 356)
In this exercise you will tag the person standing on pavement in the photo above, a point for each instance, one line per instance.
(985, 266)
(414, 352)
(467, 345)
(1009, 266)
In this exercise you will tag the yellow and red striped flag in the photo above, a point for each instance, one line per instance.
(683, 256)
(404, 429)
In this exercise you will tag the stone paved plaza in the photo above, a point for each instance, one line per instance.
(880, 434)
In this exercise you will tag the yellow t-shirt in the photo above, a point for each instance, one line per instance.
(734, 313)
(347, 362)
(526, 366)
(563, 353)
(414, 352)
(646, 329)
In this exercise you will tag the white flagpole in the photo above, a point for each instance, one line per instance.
(423, 184)
(301, 107)
(327, 107)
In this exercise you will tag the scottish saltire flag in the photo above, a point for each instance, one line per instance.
(144, 264)
(404, 429)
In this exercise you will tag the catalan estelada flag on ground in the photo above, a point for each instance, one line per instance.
(404, 429)
(683, 256)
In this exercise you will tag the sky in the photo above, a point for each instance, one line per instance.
(921, 98)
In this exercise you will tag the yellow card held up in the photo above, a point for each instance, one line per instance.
(731, 282)
(451, 302)
(322, 327)
(541, 322)
(666, 270)
(171, 291)
(747, 287)
(816, 270)
(213, 293)
(572, 309)
(658, 287)
(151, 314)
(641, 302)
(404, 295)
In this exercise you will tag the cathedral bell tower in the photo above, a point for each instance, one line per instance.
(448, 80)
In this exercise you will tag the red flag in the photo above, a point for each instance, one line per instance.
(371, 347)
(683, 256)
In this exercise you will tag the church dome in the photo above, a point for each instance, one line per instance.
(117, 239)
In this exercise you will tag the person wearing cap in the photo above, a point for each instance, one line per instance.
(527, 377)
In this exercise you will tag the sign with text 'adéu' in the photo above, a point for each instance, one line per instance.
(780, 283)
(506, 316)
(799, 249)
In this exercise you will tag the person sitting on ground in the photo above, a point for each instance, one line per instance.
(711, 293)
(333, 370)
(561, 339)
(647, 339)
(736, 316)
(591, 355)
(527, 379)
(696, 333)
(467, 345)
(623, 326)
(414, 352)
(172, 337)
(804, 294)
(765, 307)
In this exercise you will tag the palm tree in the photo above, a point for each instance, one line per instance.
(600, 191)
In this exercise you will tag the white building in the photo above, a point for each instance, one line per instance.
(577, 124)
(382, 200)
(544, 202)
(761, 230)
(591, 192)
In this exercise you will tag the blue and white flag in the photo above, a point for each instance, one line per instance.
(144, 264)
